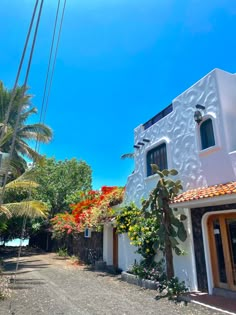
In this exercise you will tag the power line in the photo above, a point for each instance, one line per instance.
(20, 100)
(48, 72)
(54, 62)
(44, 108)
(50, 58)
(18, 73)
(18, 116)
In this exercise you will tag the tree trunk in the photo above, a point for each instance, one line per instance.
(168, 247)
(169, 260)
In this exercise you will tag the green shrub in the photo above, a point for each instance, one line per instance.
(152, 271)
(173, 288)
(62, 252)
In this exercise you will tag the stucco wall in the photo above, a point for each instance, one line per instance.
(126, 252)
(196, 167)
(184, 265)
(181, 134)
(227, 94)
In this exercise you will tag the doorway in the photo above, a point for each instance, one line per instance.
(222, 243)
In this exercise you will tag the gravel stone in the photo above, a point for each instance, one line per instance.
(47, 284)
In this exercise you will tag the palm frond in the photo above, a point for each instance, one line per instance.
(8, 134)
(31, 209)
(5, 211)
(127, 156)
(36, 131)
(15, 184)
(24, 149)
(24, 116)
(31, 135)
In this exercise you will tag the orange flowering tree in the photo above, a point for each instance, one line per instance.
(94, 208)
(63, 224)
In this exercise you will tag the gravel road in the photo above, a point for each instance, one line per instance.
(47, 284)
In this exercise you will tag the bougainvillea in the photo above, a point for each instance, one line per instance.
(63, 224)
(94, 208)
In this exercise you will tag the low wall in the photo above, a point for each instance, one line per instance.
(144, 283)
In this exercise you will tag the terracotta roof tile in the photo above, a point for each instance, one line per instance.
(206, 192)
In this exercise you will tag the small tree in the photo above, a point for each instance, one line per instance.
(61, 182)
(171, 228)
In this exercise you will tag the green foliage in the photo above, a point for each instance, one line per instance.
(62, 252)
(25, 132)
(16, 205)
(154, 271)
(16, 195)
(61, 182)
(173, 288)
(143, 235)
(13, 229)
(171, 228)
(126, 217)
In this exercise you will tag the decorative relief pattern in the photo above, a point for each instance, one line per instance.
(179, 127)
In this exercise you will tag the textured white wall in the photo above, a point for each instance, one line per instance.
(126, 252)
(196, 167)
(184, 265)
(227, 94)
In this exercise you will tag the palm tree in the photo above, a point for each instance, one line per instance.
(27, 208)
(127, 156)
(25, 132)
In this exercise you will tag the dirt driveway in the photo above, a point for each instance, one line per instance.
(47, 284)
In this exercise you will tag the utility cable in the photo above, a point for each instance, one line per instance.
(21, 98)
(48, 71)
(23, 91)
(21, 103)
(54, 62)
(18, 73)
(45, 88)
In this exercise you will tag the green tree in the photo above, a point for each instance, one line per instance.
(171, 228)
(17, 206)
(61, 182)
(25, 132)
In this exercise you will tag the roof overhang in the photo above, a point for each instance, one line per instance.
(206, 202)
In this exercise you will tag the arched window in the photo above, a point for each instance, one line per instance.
(157, 156)
(207, 134)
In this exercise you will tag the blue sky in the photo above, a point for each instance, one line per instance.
(119, 63)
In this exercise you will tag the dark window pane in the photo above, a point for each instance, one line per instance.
(219, 251)
(157, 156)
(207, 134)
(158, 117)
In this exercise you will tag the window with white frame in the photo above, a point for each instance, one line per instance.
(158, 156)
(207, 134)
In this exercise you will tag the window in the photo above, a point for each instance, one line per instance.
(207, 134)
(157, 156)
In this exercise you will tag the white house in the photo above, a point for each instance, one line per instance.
(196, 135)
